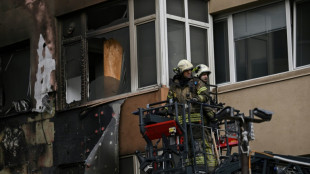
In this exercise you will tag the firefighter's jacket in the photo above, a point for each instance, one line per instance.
(183, 89)
(186, 89)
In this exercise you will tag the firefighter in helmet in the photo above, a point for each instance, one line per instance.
(202, 73)
(183, 89)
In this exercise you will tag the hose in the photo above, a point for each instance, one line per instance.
(284, 159)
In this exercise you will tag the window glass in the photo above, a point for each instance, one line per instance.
(176, 7)
(126, 165)
(259, 21)
(73, 57)
(146, 54)
(109, 64)
(14, 74)
(108, 14)
(144, 8)
(303, 33)
(221, 53)
(199, 45)
(260, 42)
(261, 55)
(198, 10)
(176, 44)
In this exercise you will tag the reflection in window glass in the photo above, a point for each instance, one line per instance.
(176, 7)
(146, 47)
(176, 44)
(108, 14)
(260, 42)
(14, 74)
(221, 54)
(198, 10)
(144, 8)
(199, 45)
(72, 55)
(303, 33)
(261, 55)
(109, 64)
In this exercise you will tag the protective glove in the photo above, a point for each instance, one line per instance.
(195, 99)
(162, 112)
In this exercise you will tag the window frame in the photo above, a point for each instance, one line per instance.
(188, 23)
(160, 17)
(295, 38)
(82, 38)
(231, 42)
(16, 49)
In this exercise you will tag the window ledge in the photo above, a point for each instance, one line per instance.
(114, 98)
(264, 80)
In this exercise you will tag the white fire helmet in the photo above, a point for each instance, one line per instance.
(199, 69)
(184, 65)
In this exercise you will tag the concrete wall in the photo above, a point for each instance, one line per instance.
(287, 95)
(217, 6)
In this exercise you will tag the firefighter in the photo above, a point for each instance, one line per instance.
(202, 72)
(184, 88)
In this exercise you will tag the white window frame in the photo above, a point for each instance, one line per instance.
(133, 23)
(188, 22)
(295, 38)
(231, 44)
(136, 163)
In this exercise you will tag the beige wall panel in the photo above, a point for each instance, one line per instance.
(221, 5)
(289, 100)
(130, 136)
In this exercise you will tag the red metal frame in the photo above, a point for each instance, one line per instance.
(155, 131)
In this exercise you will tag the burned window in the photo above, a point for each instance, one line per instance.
(95, 54)
(73, 71)
(107, 14)
(14, 75)
(109, 64)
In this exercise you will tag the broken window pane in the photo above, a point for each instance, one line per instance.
(14, 74)
(109, 64)
(144, 8)
(176, 44)
(198, 10)
(107, 14)
(176, 7)
(72, 53)
(146, 54)
(199, 45)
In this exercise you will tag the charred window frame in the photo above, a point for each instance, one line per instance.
(104, 52)
(15, 77)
